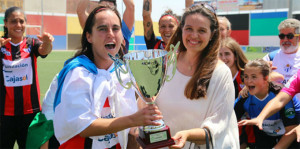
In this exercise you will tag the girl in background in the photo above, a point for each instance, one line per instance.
(277, 103)
(19, 85)
(261, 91)
(233, 56)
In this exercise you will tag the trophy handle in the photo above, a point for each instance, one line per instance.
(119, 69)
(172, 59)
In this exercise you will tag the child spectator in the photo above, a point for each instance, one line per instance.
(261, 91)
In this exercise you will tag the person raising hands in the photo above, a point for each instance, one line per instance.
(19, 85)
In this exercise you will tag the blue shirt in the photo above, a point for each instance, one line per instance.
(274, 125)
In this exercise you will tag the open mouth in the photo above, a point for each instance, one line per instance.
(110, 46)
(251, 88)
(286, 44)
(193, 42)
(168, 35)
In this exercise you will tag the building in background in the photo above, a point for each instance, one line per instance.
(254, 22)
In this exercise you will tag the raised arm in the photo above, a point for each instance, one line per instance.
(147, 20)
(46, 46)
(188, 3)
(271, 108)
(84, 8)
(275, 105)
(128, 15)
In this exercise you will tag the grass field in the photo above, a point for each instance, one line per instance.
(50, 66)
(53, 63)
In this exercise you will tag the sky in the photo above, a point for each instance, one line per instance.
(158, 8)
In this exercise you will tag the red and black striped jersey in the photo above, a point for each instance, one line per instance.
(19, 85)
(154, 43)
(238, 83)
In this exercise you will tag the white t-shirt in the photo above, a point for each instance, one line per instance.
(287, 64)
(216, 112)
(82, 101)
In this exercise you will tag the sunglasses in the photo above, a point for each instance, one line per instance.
(288, 36)
(205, 5)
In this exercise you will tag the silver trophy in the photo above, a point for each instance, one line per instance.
(148, 72)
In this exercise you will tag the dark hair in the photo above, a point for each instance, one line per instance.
(237, 51)
(112, 1)
(169, 12)
(263, 66)
(86, 47)
(265, 70)
(207, 60)
(8, 12)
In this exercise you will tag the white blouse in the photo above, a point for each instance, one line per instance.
(216, 112)
(82, 100)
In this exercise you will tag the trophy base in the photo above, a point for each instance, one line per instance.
(157, 139)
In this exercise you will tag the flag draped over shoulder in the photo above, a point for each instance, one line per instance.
(81, 60)
(41, 129)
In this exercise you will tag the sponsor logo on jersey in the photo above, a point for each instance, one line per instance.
(15, 79)
(284, 81)
(287, 68)
(289, 113)
(27, 49)
(287, 85)
(4, 51)
(108, 137)
(242, 85)
(21, 65)
(276, 130)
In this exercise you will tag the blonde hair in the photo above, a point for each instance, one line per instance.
(223, 18)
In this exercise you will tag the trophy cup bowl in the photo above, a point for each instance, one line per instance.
(148, 72)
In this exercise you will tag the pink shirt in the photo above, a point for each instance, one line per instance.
(293, 85)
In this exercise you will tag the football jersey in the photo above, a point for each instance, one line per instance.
(274, 125)
(19, 89)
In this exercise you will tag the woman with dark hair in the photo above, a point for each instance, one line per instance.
(201, 93)
(84, 7)
(91, 108)
(19, 85)
(167, 23)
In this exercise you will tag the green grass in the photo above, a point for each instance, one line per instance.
(49, 67)
(254, 55)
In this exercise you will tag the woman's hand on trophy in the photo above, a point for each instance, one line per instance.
(147, 116)
(180, 139)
